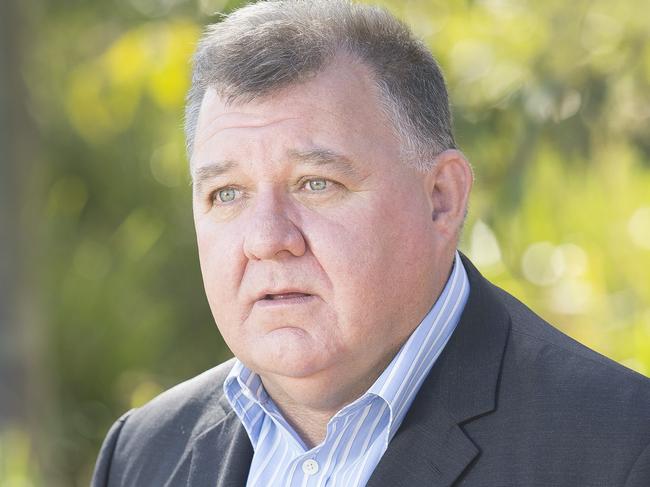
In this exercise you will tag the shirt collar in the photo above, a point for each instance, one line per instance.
(401, 380)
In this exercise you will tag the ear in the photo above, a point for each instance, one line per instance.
(449, 182)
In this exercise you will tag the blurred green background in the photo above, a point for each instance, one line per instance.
(101, 300)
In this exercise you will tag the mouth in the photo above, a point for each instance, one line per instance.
(284, 296)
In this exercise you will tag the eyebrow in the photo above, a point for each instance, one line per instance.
(317, 157)
(211, 171)
(324, 157)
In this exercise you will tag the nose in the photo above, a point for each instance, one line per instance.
(271, 232)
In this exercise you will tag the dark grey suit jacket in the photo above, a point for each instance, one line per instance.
(510, 402)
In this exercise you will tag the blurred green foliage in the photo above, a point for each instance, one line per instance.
(551, 105)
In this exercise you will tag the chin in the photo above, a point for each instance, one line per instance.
(296, 365)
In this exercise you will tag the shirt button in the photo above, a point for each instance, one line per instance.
(310, 467)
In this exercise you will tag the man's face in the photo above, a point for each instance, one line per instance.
(315, 241)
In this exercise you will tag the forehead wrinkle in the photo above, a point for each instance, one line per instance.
(233, 121)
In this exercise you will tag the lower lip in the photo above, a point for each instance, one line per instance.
(288, 301)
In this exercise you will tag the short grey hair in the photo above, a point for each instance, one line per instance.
(269, 45)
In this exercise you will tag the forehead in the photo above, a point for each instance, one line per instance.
(340, 103)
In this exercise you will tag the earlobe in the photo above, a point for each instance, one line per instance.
(450, 182)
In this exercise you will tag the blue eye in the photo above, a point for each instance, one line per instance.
(227, 195)
(317, 184)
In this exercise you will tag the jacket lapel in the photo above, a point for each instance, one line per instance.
(221, 456)
(431, 448)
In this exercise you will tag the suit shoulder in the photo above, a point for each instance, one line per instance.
(151, 444)
(539, 344)
(201, 390)
(179, 413)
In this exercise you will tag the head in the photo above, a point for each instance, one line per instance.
(266, 46)
(328, 194)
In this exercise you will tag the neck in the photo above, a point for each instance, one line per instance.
(310, 425)
(308, 404)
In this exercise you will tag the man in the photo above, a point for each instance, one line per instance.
(328, 201)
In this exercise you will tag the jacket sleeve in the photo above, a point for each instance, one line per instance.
(639, 475)
(105, 458)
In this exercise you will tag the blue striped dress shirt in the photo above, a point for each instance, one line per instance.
(358, 435)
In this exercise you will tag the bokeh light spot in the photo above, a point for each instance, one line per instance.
(638, 227)
(168, 165)
(67, 197)
(138, 233)
(571, 296)
(144, 392)
(542, 264)
(484, 247)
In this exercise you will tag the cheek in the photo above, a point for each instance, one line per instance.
(221, 265)
(354, 251)
(372, 256)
